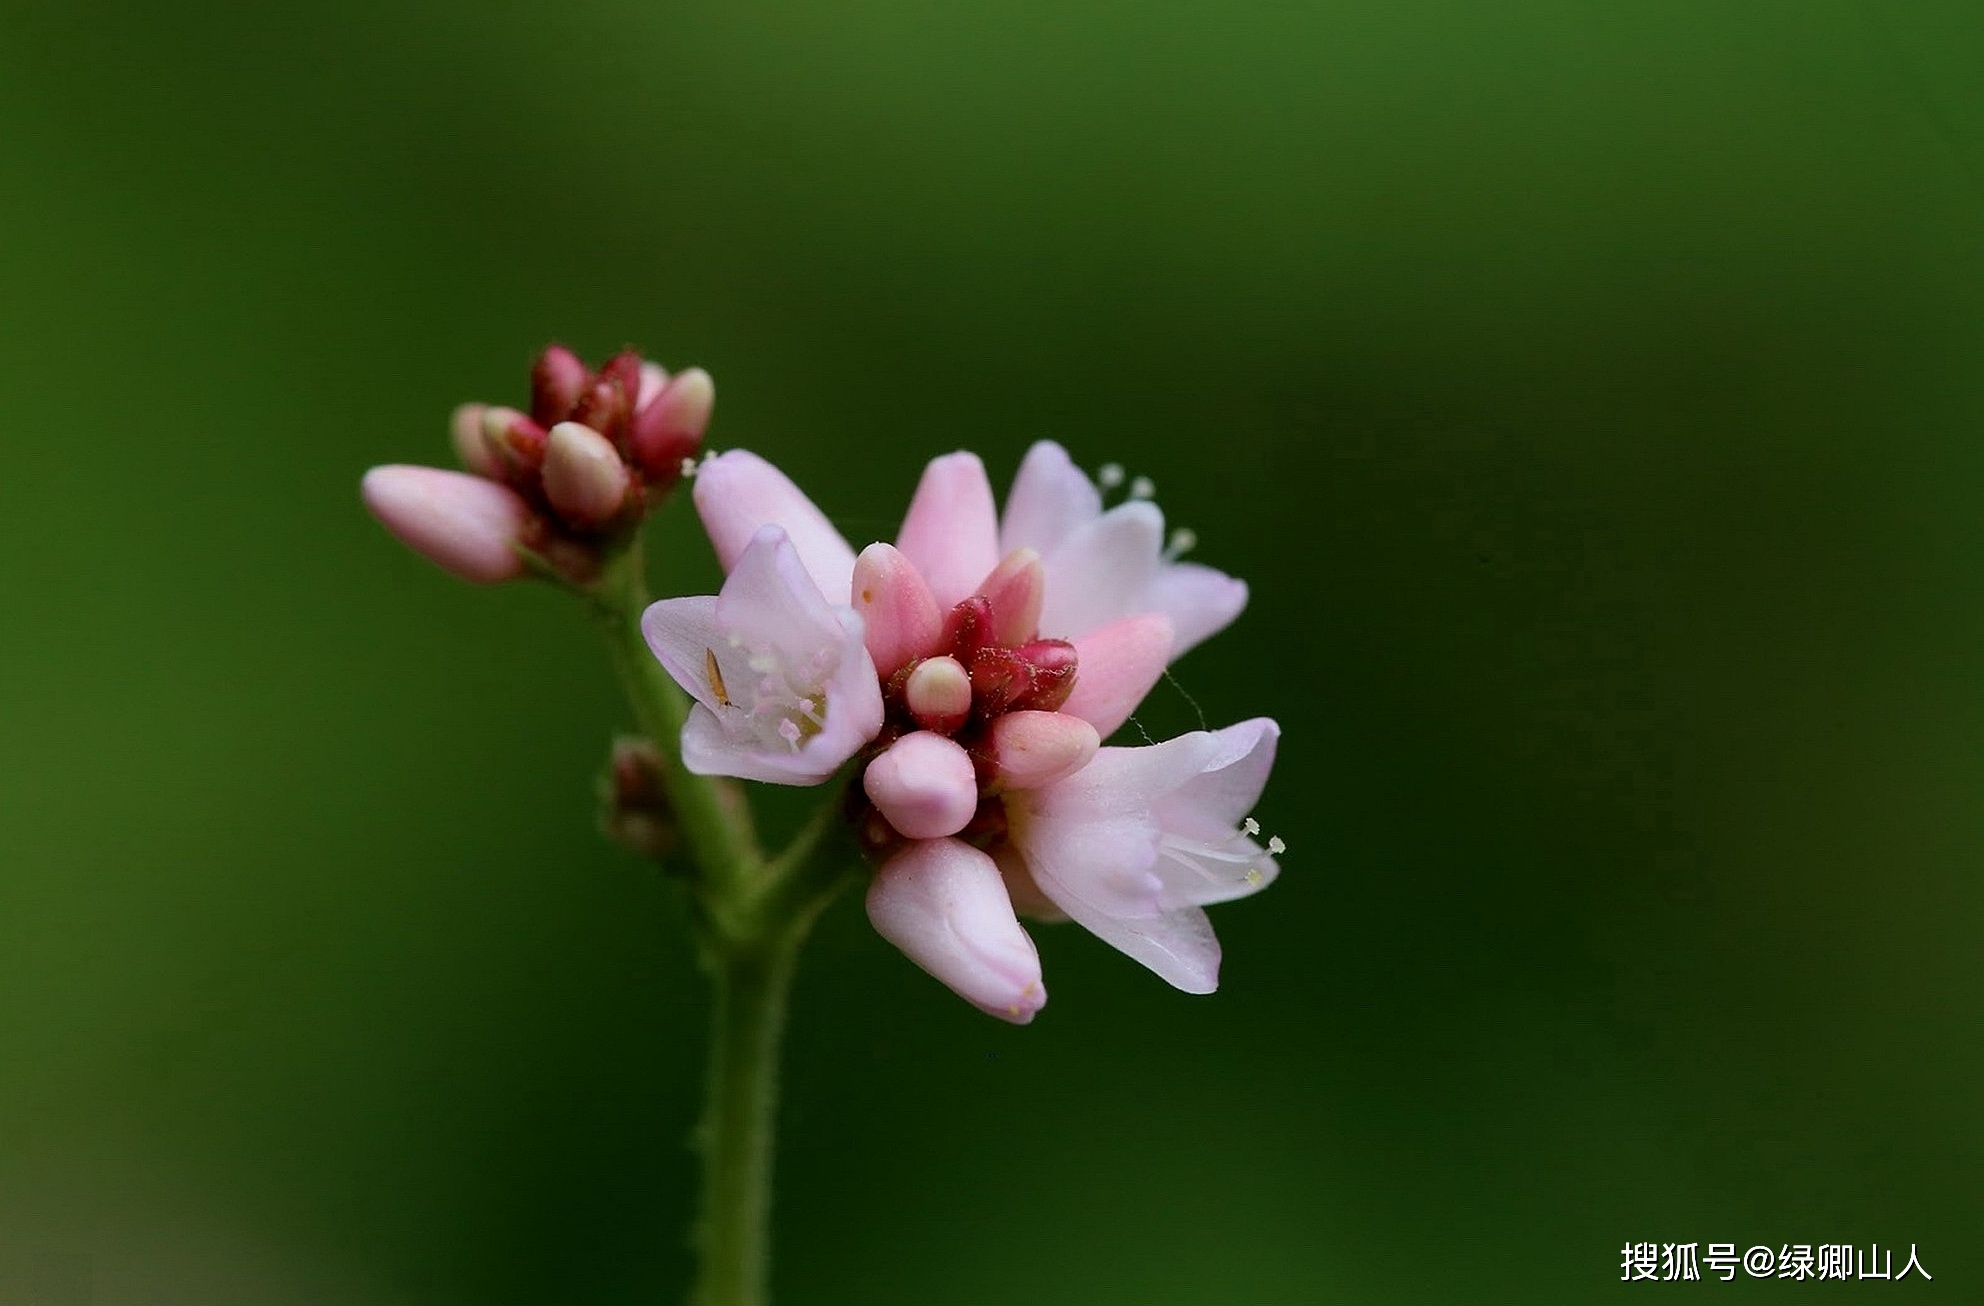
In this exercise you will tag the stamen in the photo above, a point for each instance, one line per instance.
(1276, 847)
(1109, 475)
(688, 468)
(714, 674)
(788, 730)
(1250, 827)
(1183, 541)
(1143, 488)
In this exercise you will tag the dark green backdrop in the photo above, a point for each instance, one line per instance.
(1590, 391)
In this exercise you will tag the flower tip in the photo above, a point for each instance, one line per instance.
(471, 446)
(669, 426)
(462, 523)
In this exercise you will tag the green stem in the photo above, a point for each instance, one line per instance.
(754, 916)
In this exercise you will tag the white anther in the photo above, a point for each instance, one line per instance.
(1250, 827)
(1276, 847)
(1109, 476)
(688, 468)
(1183, 541)
(1143, 488)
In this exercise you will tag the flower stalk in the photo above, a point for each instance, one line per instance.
(753, 915)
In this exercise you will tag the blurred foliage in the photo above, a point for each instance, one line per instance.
(1590, 392)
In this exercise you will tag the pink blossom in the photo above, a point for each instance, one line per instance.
(943, 903)
(785, 691)
(463, 523)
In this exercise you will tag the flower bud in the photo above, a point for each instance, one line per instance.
(1015, 591)
(557, 379)
(1033, 749)
(516, 440)
(465, 524)
(900, 620)
(634, 808)
(944, 904)
(924, 784)
(608, 402)
(471, 447)
(670, 427)
(583, 475)
(938, 692)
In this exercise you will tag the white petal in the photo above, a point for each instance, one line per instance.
(951, 531)
(1050, 499)
(1201, 602)
(1102, 571)
(682, 633)
(738, 492)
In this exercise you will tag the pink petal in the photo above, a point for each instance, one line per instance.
(1103, 570)
(1050, 499)
(669, 426)
(951, 531)
(738, 492)
(943, 903)
(903, 622)
(1118, 665)
(923, 785)
(463, 523)
(1201, 602)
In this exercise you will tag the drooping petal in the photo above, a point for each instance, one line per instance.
(1205, 856)
(785, 691)
(1050, 499)
(902, 619)
(465, 524)
(923, 785)
(951, 531)
(738, 492)
(1103, 570)
(1119, 663)
(1201, 602)
(944, 904)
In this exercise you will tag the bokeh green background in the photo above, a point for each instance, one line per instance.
(1591, 393)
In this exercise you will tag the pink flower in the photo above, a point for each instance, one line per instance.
(467, 525)
(1005, 652)
(785, 691)
(1097, 566)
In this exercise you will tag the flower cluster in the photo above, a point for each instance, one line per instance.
(975, 666)
(559, 485)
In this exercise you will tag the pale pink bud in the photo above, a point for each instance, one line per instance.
(924, 785)
(944, 904)
(669, 427)
(902, 621)
(471, 446)
(1016, 590)
(938, 691)
(583, 475)
(1031, 749)
(465, 524)
(654, 379)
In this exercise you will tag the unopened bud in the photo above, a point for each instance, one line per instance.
(1033, 749)
(516, 440)
(608, 402)
(471, 446)
(583, 475)
(924, 784)
(968, 627)
(938, 692)
(463, 523)
(669, 427)
(557, 379)
(634, 807)
(1015, 590)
